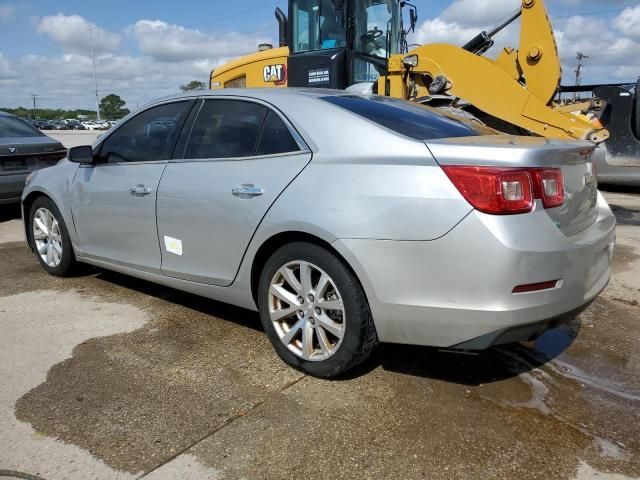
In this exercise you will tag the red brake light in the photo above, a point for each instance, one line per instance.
(549, 186)
(498, 191)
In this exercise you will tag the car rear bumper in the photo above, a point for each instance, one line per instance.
(456, 291)
(11, 187)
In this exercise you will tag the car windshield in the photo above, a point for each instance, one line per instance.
(408, 118)
(15, 127)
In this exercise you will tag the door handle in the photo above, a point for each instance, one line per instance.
(139, 190)
(247, 190)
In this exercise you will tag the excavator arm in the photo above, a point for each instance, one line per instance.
(517, 87)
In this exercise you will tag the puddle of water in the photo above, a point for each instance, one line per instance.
(574, 373)
(556, 340)
(36, 334)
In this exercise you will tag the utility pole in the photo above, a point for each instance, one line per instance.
(35, 111)
(93, 61)
(579, 56)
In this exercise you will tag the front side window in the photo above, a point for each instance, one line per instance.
(149, 136)
(317, 25)
(225, 129)
(16, 127)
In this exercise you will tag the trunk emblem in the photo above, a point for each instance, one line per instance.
(13, 149)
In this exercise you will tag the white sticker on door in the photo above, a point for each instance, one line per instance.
(173, 245)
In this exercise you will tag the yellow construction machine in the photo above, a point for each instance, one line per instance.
(362, 45)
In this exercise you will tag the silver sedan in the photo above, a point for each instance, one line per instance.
(345, 220)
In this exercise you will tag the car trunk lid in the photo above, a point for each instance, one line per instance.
(579, 209)
(24, 154)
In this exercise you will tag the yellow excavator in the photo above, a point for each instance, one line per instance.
(361, 45)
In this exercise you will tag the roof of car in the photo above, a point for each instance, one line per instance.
(258, 93)
(6, 114)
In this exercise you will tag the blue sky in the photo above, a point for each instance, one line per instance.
(148, 48)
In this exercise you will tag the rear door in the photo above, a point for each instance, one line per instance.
(114, 201)
(239, 157)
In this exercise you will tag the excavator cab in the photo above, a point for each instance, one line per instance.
(338, 43)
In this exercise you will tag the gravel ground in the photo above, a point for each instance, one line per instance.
(105, 376)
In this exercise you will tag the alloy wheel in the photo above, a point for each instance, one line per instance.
(47, 237)
(307, 310)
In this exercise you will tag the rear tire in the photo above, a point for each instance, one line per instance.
(50, 238)
(314, 311)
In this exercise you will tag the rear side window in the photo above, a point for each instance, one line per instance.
(15, 127)
(226, 128)
(410, 119)
(275, 137)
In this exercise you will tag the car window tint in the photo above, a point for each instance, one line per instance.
(275, 137)
(15, 127)
(410, 119)
(226, 128)
(146, 137)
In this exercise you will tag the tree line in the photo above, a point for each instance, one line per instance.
(111, 107)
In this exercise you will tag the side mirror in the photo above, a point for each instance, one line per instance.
(82, 154)
(413, 19)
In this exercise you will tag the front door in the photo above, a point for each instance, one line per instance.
(114, 200)
(239, 158)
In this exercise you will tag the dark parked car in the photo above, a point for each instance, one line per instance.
(23, 149)
(59, 125)
(42, 124)
(74, 125)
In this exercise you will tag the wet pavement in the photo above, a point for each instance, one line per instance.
(105, 376)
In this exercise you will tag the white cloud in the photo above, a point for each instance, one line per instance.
(6, 71)
(170, 43)
(628, 22)
(168, 56)
(71, 33)
(479, 12)
(6, 12)
(437, 30)
(69, 80)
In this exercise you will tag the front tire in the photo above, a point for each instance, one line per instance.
(314, 311)
(50, 238)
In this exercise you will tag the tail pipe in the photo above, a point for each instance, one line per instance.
(282, 27)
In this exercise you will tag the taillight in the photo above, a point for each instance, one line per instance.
(549, 186)
(507, 191)
(498, 191)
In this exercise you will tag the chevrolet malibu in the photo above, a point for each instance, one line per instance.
(345, 220)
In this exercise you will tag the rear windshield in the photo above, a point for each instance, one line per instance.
(14, 127)
(410, 119)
